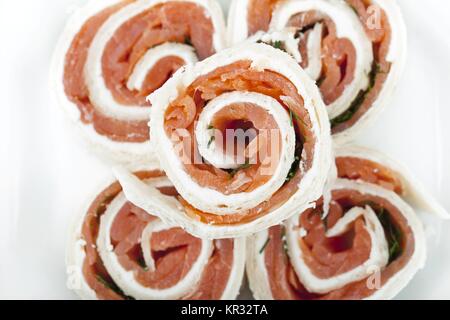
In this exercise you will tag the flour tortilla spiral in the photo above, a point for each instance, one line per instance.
(355, 50)
(113, 53)
(118, 251)
(369, 246)
(228, 195)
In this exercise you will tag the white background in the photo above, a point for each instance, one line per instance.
(46, 175)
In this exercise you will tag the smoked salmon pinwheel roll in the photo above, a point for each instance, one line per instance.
(244, 136)
(118, 251)
(355, 50)
(114, 53)
(363, 164)
(363, 240)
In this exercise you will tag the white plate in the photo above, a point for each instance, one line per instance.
(46, 174)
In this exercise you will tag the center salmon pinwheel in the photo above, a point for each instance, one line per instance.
(113, 53)
(119, 251)
(363, 240)
(354, 50)
(244, 137)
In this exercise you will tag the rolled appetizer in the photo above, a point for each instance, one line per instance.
(363, 164)
(363, 240)
(355, 50)
(114, 53)
(118, 251)
(245, 139)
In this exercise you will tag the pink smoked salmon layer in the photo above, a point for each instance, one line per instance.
(338, 54)
(181, 22)
(174, 251)
(238, 76)
(330, 257)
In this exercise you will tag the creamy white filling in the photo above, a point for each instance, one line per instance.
(146, 238)
(398, 39)
(314, 47)
(237, 22)
(285, 37)
(236, 277)
(348, 26)
(290, 44)
(152, 56)
(257, 274)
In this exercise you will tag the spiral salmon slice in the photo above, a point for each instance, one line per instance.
(174, 251)
(337, 54)
(238, 76)
(362, 169)
(332, 256)
(168, 22)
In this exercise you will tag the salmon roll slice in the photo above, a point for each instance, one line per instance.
(355, 50)
(118, 251)
(363, 240)
(114, 53)
(244, 136)
(358, 163)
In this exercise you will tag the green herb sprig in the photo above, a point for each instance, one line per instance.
(284, 240)
(111, 285)
(211, 140)
(360, 98)
(393, 234)
(264, 246)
